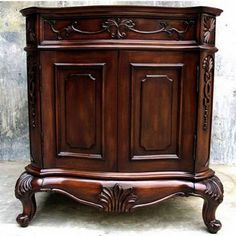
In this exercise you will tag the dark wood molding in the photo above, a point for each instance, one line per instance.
(120, 176)
(122, 10)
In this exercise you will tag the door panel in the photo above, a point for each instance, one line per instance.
(79, 105)
(82, 111)
(156, 108)
(81, 89)
(155, 89)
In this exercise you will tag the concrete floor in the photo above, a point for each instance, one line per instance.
(59, 215)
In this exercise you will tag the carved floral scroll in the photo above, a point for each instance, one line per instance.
(32, 75)
(118, 28)
(208, 67)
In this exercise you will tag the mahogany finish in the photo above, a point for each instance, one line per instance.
(120, 106)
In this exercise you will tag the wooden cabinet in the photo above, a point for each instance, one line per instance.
(120, 106)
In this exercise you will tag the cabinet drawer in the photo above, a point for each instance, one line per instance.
(74, 28)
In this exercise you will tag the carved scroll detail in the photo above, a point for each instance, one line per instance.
(209, 29)
(117, 199)
(24, 184)
(171, 31)
(214, 189)
(32, 75)
(24, 191)
(208, 66)
(118, 28)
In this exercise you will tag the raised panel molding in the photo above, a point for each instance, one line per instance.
(152, 140)
(86, 142)
(148, 85)
(81, 84)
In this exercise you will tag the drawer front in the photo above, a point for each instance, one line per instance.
(75, 28)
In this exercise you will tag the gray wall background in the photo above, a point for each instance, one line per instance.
(14, 142)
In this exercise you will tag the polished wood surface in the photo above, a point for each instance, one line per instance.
(120, 106)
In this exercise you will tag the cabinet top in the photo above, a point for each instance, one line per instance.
(121, 27)
(123, 9)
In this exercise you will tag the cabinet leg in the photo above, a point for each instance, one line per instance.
(211, 190)
(24, 191)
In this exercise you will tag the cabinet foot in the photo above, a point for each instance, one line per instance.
(211, 190)
(24, 191)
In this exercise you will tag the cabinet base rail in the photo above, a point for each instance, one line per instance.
(118, 195)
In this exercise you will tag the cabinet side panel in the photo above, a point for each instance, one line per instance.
(205, 98)
(34, 97)
(34, 107)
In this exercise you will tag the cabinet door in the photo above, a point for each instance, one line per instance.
(80, 109)
(156, 109)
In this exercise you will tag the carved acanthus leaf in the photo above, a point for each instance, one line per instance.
(214, 189)
(209, 30)
(117, 199)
